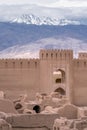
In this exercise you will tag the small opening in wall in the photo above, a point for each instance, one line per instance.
(28, 64)
(37, 108)
(13, 64)
(85, 64)
(35, 64)
(60, 55)
(78, 63)
(54, 128)
(58, 128)
(56, 55)
(58, 80)
(46, 55)
(65, 55)
(21, 64)
(6, 64)
(69, 55)
(42, 55)
(51, 55)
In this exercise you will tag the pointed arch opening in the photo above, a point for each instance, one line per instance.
(59, 76)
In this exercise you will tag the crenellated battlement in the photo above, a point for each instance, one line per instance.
(46, 55)
(19, 63)
(80, 63)
(54, 71)
(82, 55)
(56, 54)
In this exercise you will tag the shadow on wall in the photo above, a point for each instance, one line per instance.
(60, 90)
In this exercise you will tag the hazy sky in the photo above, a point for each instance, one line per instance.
(50, 3)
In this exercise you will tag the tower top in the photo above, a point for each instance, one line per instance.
(56, 54)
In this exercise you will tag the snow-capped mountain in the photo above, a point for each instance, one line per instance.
(32, 19)
(43, 15)
(25, 29)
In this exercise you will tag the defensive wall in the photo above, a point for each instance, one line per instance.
(83, 55)
(54, 70)
(19, 76)
(80, 81)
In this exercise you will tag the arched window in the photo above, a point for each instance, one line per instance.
(59, 76)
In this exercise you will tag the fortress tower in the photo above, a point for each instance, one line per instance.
(54, 71)
(55, 68)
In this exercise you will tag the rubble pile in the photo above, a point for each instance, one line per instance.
(4, 125)
(52, 108)
(68, 124)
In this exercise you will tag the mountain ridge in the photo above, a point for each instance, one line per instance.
(25, 29)
(13, 33)
(25, 40)
(43, 20)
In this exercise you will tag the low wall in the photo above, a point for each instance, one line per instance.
(42, 121)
